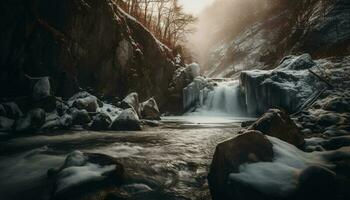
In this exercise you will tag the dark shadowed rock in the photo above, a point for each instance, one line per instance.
(328, 119)
(10, 110)
(338, 105)
(150, 110)
(41, 88)
(80, 117)
(249, 147)
(127, 121)
(6, 124)
(277, 123)
(32, 121)
(316, 182)
(101, 122)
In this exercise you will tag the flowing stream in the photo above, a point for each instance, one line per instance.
(172, 159)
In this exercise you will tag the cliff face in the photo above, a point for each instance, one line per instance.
(320, 28)
(80, 43)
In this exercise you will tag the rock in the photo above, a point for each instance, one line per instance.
(249, 147)
(56, 122)
(41, 88)
(277, 123)
(6, 124)
(31, 122)
(127, 121)
(132, 100)
(82, 171)
(288, 86)
(328, 119)
(338, 105)
(101, 121)
(316, 178)
(151, 123)
(84, 101)
(49, 104)
(11, 110)
(149, 110)
(80, 117)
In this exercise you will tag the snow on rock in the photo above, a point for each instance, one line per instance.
(149, 110)
(288, 86)
(80, 117)
(84, 100)
(81, 169)
(194, 69)
(127, 121)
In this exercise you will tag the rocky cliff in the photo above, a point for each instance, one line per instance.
(320, 28)
(89, 44)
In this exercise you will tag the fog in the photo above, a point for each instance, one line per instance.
(222, 20)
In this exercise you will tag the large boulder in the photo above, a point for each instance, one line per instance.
(288, 174)
(80, 117)
(288, 86)
(41, 88)
(32, 121)
(84, 101)
(101, 121)
(127, 121)
(132, 101)
(277, 123)
(150, 110)
(249, 147)
(85, 171)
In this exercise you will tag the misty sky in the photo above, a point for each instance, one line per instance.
(195, 6)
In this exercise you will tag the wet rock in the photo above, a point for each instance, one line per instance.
(328, 119)
(338, 105)
(127, 121)
(277, 123)
(84, 101)
(32, 121)
(85, 171)
(80, 117)
(149, 110)
(249, 147)
(101, 121)
(132, 101)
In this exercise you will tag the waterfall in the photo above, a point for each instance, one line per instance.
(222, 98)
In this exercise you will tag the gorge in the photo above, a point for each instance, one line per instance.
(122, 99)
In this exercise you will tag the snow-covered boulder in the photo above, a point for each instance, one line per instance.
(127, 121)
(132, 101)
(193, 69)
(53, 122)
(288, 86)
(277, 123)
(81, 170)
(249, 147)
(80, 117)
(150, 110)
(289, 174)
(84, 101)
(101, 121)
(32, 121)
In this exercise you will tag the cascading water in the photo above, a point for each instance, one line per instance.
(224, 98)
(216, 98)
